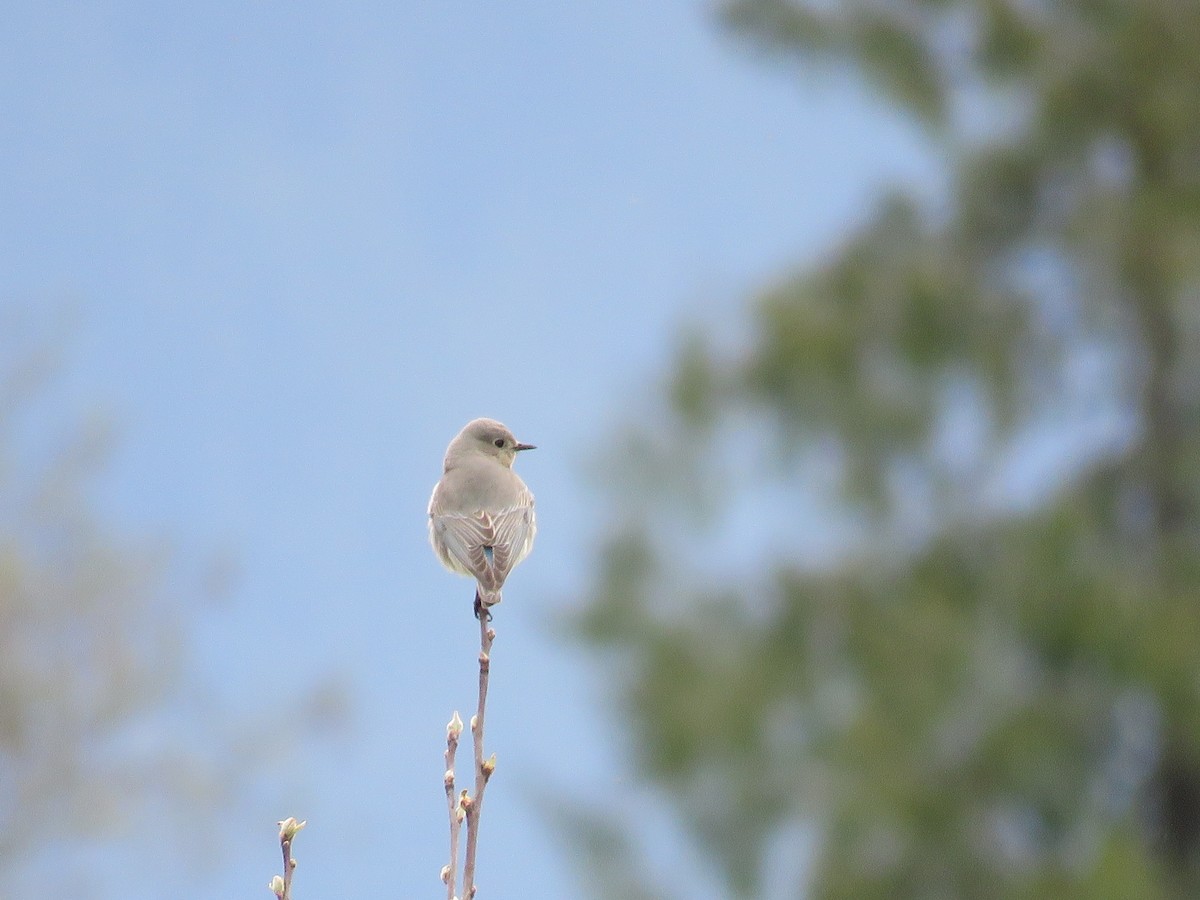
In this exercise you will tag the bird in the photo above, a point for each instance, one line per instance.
(481, 516)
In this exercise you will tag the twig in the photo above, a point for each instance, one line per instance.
(483, 768)
(450, 872)
(282, 886)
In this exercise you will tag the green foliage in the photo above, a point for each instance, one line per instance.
(988, 691)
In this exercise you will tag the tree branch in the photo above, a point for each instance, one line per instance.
(453, 804)
(483, 767)
(281, 886)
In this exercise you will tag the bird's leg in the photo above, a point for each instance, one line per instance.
(480, 609)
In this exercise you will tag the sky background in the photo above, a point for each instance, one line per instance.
(297, 246)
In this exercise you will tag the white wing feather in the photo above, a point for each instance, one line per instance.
(465, 540)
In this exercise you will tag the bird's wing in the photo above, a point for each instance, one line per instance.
(512, 535)
(465, 537)
(488, 544)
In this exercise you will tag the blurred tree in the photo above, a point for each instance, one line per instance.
(915, 561)
(90, 642)
(104, 731)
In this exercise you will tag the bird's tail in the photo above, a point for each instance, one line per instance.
(484, 600)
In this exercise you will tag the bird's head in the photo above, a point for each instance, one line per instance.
(489, 437)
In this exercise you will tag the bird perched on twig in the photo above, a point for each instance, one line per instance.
(481, 519)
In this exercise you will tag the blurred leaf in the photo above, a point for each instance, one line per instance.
(103, 725)
(989, 689)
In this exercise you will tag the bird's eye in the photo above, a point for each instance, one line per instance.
(499, 442)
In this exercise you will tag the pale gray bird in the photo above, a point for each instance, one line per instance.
(481, 520)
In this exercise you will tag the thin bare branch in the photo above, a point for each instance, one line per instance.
(483, 767)
(454, 806)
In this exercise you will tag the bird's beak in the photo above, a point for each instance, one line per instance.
(525, 447)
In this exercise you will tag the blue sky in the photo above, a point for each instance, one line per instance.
(301, 245)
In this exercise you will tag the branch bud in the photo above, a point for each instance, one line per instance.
(288, 828)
